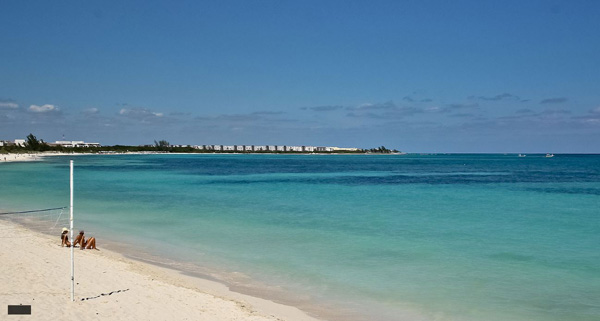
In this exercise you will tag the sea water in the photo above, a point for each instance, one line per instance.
(366, 237)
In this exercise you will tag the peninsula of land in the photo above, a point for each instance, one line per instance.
(32, 143)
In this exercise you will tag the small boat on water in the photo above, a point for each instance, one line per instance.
(549, 155)
(522, 155)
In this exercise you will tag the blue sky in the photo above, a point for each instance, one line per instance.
(419, 76)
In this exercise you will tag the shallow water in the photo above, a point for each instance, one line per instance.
(436, 237)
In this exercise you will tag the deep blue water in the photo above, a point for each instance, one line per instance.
(432, 237)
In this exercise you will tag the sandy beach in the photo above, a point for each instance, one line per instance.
(36, 271)
(19, 157)
(39, 156)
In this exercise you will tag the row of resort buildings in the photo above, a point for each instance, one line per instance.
(63, 143)
(216, 148)
(269, 148)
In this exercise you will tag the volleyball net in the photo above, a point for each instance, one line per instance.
(47, 220)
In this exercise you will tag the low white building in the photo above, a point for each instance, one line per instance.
(20, 142)
(228, 147)
(323, 149)
(344, 149)
(75, 143)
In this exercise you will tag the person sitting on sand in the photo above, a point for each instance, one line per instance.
(64, 238)
(89, 244)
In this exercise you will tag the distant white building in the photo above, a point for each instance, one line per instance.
(260, 148)
(75, 143)
(248, 148)
(323, 149)
(211, 147)
(280, 148)
(294, 148)
(228, 147)
(344, 149)
(20, 142)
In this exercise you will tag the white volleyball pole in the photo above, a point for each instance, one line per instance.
(72, 240)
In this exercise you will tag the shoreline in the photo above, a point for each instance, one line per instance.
(28, 157)
(38, 275)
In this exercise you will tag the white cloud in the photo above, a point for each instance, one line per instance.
(139, 112)
(142, 114)
(91, 112)
(593, 121)
(8, 105)
(43, 108)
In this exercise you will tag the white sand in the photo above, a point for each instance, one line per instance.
(18, 157)
(34, 156)
(35, 270)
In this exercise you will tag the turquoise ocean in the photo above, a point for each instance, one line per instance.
(349, 237)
